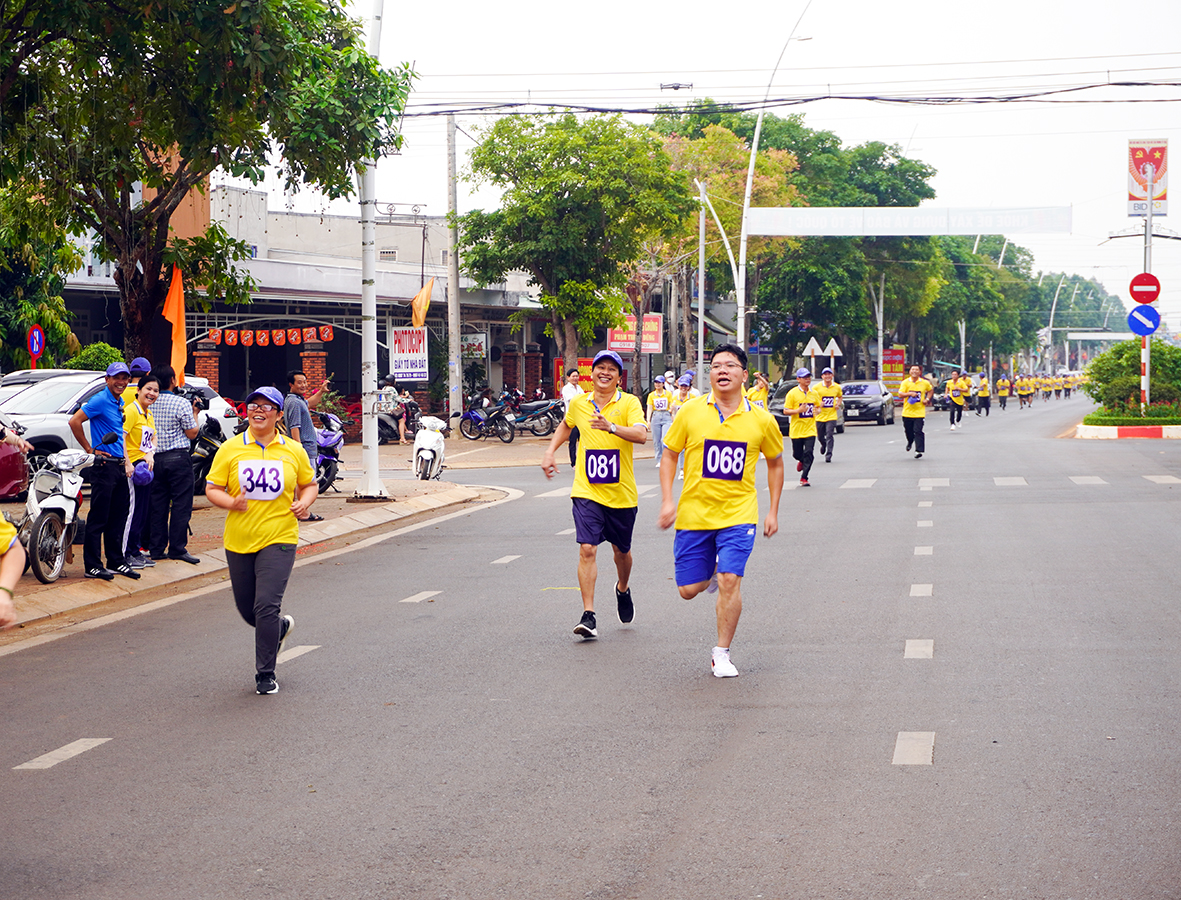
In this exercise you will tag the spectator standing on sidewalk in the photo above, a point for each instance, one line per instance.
(171, 506)
(297, 413)
(570, 390)
(140, 428)
(139, 368)
(110, 484)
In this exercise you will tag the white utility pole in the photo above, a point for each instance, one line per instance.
(370, 487)
(1145, 341)
(454, 375)
(701, 287)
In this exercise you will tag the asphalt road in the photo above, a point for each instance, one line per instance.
(468, 745)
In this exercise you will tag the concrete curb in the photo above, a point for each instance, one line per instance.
(174, 574)
(1114, 432)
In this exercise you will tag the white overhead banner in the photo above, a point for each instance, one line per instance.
(868, 221)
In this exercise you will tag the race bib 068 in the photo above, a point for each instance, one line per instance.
(260, 479)
(723, 459)
(602, 466)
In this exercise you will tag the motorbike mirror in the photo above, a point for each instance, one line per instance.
(456, 415)
(110, 437)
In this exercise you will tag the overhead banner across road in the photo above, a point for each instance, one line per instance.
(867, 221)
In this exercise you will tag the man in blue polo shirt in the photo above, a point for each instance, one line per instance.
(110, 483)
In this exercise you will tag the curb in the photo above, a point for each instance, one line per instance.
(83, 593)
(1114, 432)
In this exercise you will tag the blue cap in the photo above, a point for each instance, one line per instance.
(608, 355)
(142, 474)
(118, 368)
(659, 379)
(140, 366)
(269, 393)
(686, 380)
(826, 371)
(803, 373)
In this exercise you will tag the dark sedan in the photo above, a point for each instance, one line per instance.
(775, 408)
(868, 401)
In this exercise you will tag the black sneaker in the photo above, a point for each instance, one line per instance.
(586, 625)
(136, 562)
(909, 444)
(100, 572)
(125, 570)
(623, 600)
(264, 683)
(285, 629)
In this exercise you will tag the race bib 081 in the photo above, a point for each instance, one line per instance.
(260, 479)
(602, 466)
(723, 459)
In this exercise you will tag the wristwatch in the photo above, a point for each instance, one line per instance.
(612, 428)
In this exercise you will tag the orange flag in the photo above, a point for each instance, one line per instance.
(174, 312)
(420, 304)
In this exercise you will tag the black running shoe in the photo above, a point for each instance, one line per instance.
(125, 570)
(264, 683)
(586, 626)
(623, 600)
(100, 572)
(909, 444)
(286, 627)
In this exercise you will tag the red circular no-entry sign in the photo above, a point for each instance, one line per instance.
(1145, 287)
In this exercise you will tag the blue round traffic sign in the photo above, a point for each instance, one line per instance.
(1144, 320)
(36, 341)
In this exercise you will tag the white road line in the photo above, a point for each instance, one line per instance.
(61, 754)
(924, 551)
(567, 531)
(467, 453)
(560, 492)
(1163, 479)
(922, 590)
(926, 504)
(926, 523)
(1010, 481)
(292, 652)
(914, 748)
(934, 482)
(859, 483)
(422, 595)
(1087, 479)
(919, 649)
(504, 560)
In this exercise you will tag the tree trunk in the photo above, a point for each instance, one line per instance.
(570, 343)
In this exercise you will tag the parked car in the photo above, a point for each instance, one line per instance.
(943, 401)
(868, 401)
(775, 408)
(15, 382)
(14, 471)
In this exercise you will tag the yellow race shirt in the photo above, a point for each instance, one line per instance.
(7, 535)
(721, 456)
(268, 476)
(604, 471)
(1002, 387)
(955, 390)
(679, 401)
(660, 401)
(803, 424)
(827, 412)
(757, 396)
(984, 390)
(140, 428)
(913, 393)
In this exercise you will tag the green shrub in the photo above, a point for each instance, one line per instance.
(1122, 361)
(1098, 418)
(1126, 388)
(95, 356)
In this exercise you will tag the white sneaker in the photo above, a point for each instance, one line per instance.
(722, 667)
(680, 476)
(953, 428)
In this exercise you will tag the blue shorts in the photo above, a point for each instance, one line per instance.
(595, 523)
(696, 553)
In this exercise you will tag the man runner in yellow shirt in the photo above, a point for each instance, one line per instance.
(604, 496)
(801, 404)
(722, 435)
(1003, 385)
(916, 393)
(984, 396)
(832, 399)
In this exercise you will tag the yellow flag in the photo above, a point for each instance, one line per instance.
(174, 312)
(420, 304)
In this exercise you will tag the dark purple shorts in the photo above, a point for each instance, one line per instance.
(595, 523)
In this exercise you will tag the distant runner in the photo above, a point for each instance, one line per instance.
(916, 393)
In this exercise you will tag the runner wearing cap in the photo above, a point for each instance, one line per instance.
(916, 393)
(801, 404)
(139, 368)
(1003, 386)
(660, 414)
(255, 476)
(140, 428)
(722, 435)
(832, 398)
(757, 395)
(955, 391)
(604, 496)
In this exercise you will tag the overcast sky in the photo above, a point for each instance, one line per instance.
(616, 54)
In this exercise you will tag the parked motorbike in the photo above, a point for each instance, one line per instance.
(537, 415)
(480, 422)
(429, 448)
(51, 518)
(389, 407)
(329, 441)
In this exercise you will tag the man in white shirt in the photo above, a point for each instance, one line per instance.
(570, 390)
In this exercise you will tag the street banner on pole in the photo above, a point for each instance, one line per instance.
(408, 354)
(893, 367)
(1140, 155)
(624, 339)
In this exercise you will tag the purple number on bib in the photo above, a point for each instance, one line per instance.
(807, 411)
(829, 402)
(723, 459)
(602, 466)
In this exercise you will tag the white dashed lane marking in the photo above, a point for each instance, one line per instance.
(292, 652)
(61, 754)
(914, 748)
(1163, 479)
(1010, 481)
(505, 559)
(567, 531)
(934, 482)
(859, 483)
(423, 595)
(926, 523)
(1087, 479)
(560, 492)
(922, 590)
(924, 551)
(919, 649)
(926, 504)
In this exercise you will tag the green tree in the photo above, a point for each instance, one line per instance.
(579, 199)
(192, 86)
(35, 258)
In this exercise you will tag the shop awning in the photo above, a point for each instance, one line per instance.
(714, 325)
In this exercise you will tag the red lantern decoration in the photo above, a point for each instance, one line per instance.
(325, 333)
(231, 338)
(215, 335)
(294, 335)
(279, 337)
(247, 338)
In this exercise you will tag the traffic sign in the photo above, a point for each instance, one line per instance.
(1145, 287)
(36, 343)
(1144, 320)
(812, 348)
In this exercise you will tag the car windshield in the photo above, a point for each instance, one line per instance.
(45, 397)
(10, 390)
(860, 388)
